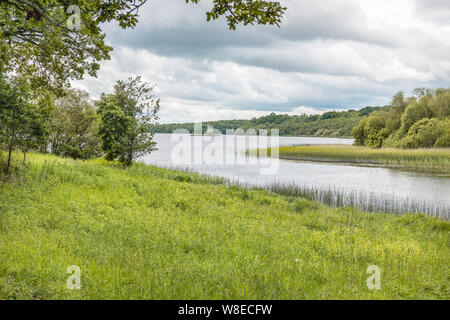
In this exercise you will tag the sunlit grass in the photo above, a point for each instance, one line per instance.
(436, 160)
(151, 233)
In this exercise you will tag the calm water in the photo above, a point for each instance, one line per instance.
(215, 156)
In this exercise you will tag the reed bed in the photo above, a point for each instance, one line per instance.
(334, 197)
(371, 202)
(429, 160)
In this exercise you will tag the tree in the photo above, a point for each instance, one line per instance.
(246, 12)
(74, 126)
(412, 114)
(416, 122)
(59, 40)
(427, 133)
(359, 132)
(127, 117)
(37, 129)
(22, 120)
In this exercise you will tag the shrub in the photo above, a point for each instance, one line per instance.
(412, 114)
(444, 140)
(424, 133)
(375, 138)
(359, 133)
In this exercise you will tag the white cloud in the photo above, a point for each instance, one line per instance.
(328, 54)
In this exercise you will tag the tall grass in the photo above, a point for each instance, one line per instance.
(151, 233)
(334, 197)
(434, 160)
(372, 202)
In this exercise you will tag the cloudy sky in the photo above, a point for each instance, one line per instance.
(327, 55)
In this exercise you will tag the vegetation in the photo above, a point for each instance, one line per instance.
(436, 160)
(126, 120)
(54, 41)
(45, 44)
(74, 127)
(420, 121)
(119, 125)
(142, 232)
(23, 119)
(151, 233)
(330, 124)
(246, 12)
(365, 201)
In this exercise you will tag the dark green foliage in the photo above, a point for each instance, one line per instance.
(330, 124)
(127, 116)
(420, 121)
(23, 118)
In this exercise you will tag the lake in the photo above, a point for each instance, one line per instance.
(372, 188)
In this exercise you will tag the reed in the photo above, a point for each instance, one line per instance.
(427, 160)
(371, 202)
(334, 197)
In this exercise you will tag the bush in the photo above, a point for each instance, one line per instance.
(359, 133)
(375, 138)
(412, 114)
(424, 133)
(420, 121)
(444, 140)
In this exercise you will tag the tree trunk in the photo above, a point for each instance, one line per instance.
(24, 157)
(11, 146)
(130, 158)
(8, 167)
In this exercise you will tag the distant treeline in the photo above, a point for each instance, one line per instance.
(329, 124)
(420, 121)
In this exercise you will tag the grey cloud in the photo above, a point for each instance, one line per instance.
(329, 54)
(305, 21)
(434, 11)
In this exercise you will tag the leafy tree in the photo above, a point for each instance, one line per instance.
(127, 117)
(443, 141)
(412, 114)
(415, 122)
(425, 133)
(74, 126)
(246, 12)
(440, 104)
(35, 134)
(22, 120)
(55, 41)
(393, 120)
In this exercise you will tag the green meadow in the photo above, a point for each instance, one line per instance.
(432, 160)
(150, 233)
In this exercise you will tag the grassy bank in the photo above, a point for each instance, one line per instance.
(153, 233)
(429, 160)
